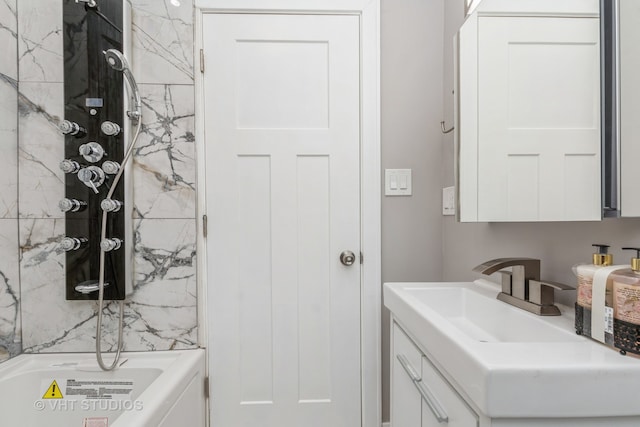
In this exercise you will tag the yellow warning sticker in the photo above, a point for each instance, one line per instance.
(53, 392)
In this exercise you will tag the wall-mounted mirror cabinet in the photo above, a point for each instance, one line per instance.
(528, 111)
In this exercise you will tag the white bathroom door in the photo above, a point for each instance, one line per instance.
(282, 127)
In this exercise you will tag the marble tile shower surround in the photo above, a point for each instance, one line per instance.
(10, 326)
(161, 311)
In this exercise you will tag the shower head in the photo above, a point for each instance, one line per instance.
(118, 62)
(116, 59)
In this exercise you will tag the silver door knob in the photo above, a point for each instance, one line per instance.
(347, 258)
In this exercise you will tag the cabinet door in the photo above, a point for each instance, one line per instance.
(538, 119)
(405, 398)
(528, 122)
(448, 402)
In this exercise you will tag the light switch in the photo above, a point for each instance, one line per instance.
(403, 182)
(393, 182)
(397, 182)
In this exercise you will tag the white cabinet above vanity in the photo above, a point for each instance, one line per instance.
(474, 361)
(528, 111)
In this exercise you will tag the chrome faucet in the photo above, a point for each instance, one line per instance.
(522, 287)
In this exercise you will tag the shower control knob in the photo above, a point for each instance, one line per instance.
(92, 176)
(71, 205)
(110, 205)
(72, 128)
(69, 166)
(110, 128)
(110, 167)
(91, 151)
(108, 245)
(73, 243)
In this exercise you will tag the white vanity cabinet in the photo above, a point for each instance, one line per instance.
(420, 396)
(528, 112)
(473, 361)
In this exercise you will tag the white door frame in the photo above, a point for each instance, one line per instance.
(370, 180)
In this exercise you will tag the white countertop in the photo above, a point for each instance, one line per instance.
(559, 378)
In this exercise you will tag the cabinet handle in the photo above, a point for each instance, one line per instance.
(427, 395)
(432, 402)
(408, 368)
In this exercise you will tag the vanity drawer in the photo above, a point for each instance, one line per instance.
(420, 396)
(405, 398)
(445, 402)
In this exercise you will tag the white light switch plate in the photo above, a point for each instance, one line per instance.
(397, 182)
(449, 201)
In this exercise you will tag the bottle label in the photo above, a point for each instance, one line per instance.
(608, 321)
(585, 292)
(627, 302)
(585, 289)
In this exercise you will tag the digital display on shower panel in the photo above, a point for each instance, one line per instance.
(93, 94)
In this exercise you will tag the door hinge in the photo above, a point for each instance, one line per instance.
(201, 60)
(205, 224)
(206, 387)
(361, 258)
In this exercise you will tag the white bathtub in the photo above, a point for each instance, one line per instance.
(151, 389)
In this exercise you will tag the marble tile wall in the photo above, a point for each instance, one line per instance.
(10, 327)
(161, 312)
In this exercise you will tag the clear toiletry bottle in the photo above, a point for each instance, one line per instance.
(585, 273)
(626, 306)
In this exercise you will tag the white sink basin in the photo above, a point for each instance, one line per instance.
(511, 363)
(485, 319)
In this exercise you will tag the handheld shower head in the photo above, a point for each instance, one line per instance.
(118, 62)
(116, 59)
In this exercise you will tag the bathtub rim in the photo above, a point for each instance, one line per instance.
(178, 368)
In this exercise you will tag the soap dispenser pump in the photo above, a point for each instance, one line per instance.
(626, 306)
(585, 273)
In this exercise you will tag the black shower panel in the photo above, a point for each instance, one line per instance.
(94, 128)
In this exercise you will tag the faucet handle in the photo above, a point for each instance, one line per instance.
(506, 281)
(541, 292)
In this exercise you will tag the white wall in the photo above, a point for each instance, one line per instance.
(411, 73)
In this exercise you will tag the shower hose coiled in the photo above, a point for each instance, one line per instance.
(103, 235)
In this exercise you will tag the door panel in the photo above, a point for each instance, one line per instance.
(282, 134)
